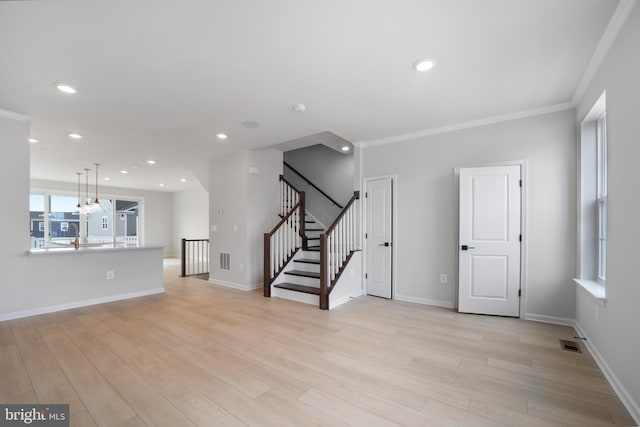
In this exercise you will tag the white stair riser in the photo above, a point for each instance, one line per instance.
(299, 280)
(295, 296)
(303, 266)
(311, 255)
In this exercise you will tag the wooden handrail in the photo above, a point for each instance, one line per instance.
(312, 184)
(356, 196)
(284, 219)
(282, 178)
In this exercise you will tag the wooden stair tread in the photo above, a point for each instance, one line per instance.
(313, 248)
(298, 288)
(314, 229)
(312, 274)
(307, 261)
(313, 238)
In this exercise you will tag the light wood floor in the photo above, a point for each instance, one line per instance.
(206, 355)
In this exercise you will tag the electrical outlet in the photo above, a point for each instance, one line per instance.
(241, 267)
(111, 275)
(443, 278)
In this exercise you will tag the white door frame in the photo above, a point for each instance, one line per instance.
(394, 230)
(523, 226)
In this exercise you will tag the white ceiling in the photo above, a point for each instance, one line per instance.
(158, 79)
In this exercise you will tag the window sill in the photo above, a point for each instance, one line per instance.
(595, 289)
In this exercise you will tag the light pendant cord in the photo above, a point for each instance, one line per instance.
(96, 201)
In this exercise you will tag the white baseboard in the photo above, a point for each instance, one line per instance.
(235, 285)
(78, 304)
(425, 301)
(333, 304)
(549, 319)
(627, 400)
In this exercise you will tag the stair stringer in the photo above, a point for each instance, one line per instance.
(349, 285)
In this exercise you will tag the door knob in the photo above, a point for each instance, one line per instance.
(385, 244)
(465, 247)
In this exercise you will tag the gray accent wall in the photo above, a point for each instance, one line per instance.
(329, 170)
(427, 206)
(612, 329)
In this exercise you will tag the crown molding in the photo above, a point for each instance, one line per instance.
(474, 123)
(614, 26)
(14, 116)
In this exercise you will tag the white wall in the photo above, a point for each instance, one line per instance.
(262, 215)
(14, 191)
(190, 216)
(41, 283)
(62, 280)
(426, 203)
(228, 215)
(243, 207)
(158, 211)
(614, 332)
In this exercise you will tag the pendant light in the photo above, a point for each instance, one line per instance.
(87, 206)
(79, 207)
(96, 202)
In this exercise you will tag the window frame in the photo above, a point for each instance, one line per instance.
(46, 193)
(601, 196)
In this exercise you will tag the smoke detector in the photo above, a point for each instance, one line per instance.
(299, 108)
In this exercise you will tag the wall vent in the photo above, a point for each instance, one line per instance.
(570, 346)
(225, 261)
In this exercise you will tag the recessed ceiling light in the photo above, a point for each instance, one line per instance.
(299, 108)
(221, 136)
(75, 136)
(65, 88)
(345, 148)
(161, 185)
(124, 171)
(424, 64)
(106, 178)
(183, 180)
(151, 162)
(33, 140)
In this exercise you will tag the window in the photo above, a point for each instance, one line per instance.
(592, 207)
(601, 177)
(54, 214)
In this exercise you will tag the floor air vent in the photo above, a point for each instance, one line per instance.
(570, 346)
(225, 261)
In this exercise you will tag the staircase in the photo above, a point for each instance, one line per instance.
(304, 273)
(302, 260)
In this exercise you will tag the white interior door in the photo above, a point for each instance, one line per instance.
(379, 200)
(489, 247)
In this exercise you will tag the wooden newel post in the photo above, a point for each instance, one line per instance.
(183, 258)
(267, 265)
(324, 296)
